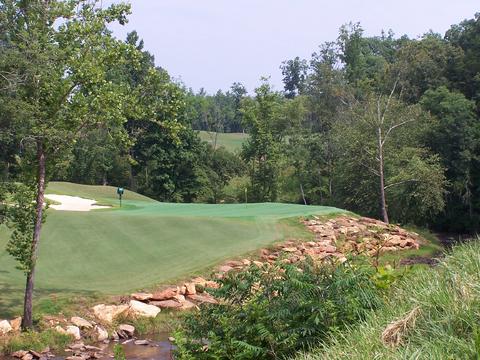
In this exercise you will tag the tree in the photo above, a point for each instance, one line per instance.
(455, 137)
(380, 136)
(55, 60)
(262, 149)
(294, 74)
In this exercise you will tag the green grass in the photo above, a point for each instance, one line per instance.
(447, 325)
(144, 243)
(231, 141)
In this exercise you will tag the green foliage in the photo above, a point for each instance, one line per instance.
(37, 341)
(446, 326)
(118, 352)
(19, 216)
(271, 313)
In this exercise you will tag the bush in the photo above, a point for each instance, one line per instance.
(269, 314)
(445, 302)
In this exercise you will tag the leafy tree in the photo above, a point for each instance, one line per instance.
(455, 137)
(381, 152)
(54, 64)
(261, 151)
(294, 74)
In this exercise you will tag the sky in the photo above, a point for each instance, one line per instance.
(213, 43)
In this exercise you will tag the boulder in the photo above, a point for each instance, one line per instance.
(167, 304)
(164, 295)
(107, 313)
(212, 284)
(81, 323)
(141, 342)
(16, 323)
(5, 327)
(101, 333)
(199, 281)
(74, 331)
(19, 354)
(187, 305)
(142, 296)
(138, 308)
(290, 249)
(125, 331)
(190, 289)
(60, 330)
(225, 268)
(27, 356)
(182, 290)
(179, 298)
(203, 298)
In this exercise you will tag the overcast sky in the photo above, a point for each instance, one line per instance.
(213, 43)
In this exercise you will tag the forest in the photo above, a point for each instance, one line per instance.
(385, 126)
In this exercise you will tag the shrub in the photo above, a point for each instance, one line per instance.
(271, 313)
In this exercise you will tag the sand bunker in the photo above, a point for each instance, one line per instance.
(73, 203)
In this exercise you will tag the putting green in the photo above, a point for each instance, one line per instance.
(142, 244)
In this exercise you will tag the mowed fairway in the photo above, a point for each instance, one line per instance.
(144, 243)
(231, 141)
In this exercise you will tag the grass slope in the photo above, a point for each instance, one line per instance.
(231, 141)
(447, 324)
(142, 244)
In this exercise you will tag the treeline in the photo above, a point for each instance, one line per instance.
(383, 126)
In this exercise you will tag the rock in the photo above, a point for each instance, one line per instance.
(102, 334)
(171, 339)
(27, 356)
(290, 249)
(167, 304)
(246, 262)
(234, 264)
(179, 298)
(258, 263)
(182, 290)
(165, 294)
(5, 327)
(74, 331)
(212, 285)
(203, 298)
(190, 289)
(107, 313)
(142, 296)
(125, 331)
(16, 323)
(187, 305)
(81, 323)
(141, 309)
(225, 268)
(92, 348)
(141, 342)
(199, 281)
(19, 354)
(60, 330)
(78, 346)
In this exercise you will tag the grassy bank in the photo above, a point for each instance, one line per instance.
(438, 314)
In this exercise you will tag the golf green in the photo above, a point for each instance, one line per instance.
(143, 243)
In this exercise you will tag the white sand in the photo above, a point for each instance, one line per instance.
(73, 203)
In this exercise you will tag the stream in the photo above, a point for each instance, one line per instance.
(158, 348)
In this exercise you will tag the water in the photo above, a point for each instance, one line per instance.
(159, 348)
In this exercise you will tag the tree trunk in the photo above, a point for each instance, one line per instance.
(381, 174)
(303, 194)
(27, 321)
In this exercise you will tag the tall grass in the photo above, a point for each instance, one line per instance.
(446, 325)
